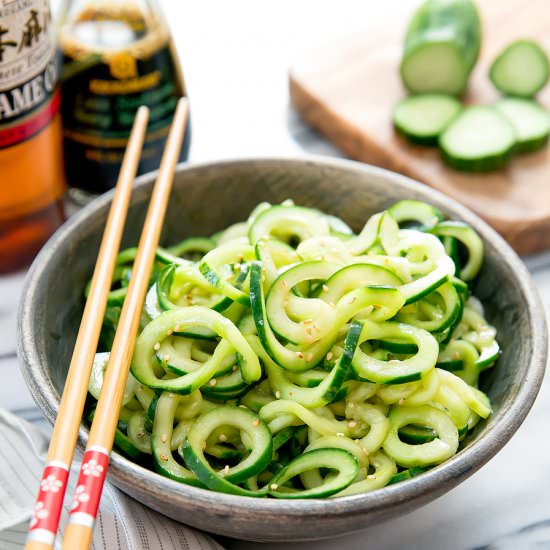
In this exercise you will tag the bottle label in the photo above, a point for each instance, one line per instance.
(28, 71)
(100, 100)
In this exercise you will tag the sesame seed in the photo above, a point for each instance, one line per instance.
(277, 395)
(401, 401)
(309, 356)
(340, 434)
(299, 354)
(371, 476)
(213, 382)
(164, 458)
(203, 445)
(140, 435)
(256, 422)
(352, 423)
(169, 332)
(164, 438)
(226, 469)
(325, 288)
(365, 452)
(273, 486)
(284, 283)
(156, 347)
(307, 321)
(317, 328)
(176, 328)
(352, 299)
(223, 438)
(330, 355)
(235, 368)
(290, 394)
(167, 357)
(331, 304)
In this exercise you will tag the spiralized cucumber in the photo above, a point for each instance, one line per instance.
(290, 358)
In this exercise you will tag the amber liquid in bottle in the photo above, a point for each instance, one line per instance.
(118, 55)
(31, 166)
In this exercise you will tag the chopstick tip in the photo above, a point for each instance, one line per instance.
(143, 111)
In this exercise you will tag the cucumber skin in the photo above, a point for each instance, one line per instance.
(430, 141)
(463, 24)
(532, 145)
(487, 164)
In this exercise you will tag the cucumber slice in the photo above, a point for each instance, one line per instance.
(441, 47)
(426, 454)
(224, 481)
(471, 241)
(421, 214)
(337, 460)
(530, 120)
(478, 140)
(521, 69)
(422, 118)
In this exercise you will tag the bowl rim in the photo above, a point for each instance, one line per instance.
(436, 480)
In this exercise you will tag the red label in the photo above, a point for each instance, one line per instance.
(31, 125)
(90, 484)
(50, 499)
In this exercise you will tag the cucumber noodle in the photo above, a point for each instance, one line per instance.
(288, 357)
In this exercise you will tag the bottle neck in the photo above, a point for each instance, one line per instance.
(136, 26)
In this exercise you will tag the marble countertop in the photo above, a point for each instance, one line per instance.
(235, 57)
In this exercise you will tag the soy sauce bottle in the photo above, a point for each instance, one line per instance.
(116, 56)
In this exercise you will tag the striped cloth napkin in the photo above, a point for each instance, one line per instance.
(123, 523)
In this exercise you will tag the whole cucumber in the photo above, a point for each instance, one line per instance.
(441, 47)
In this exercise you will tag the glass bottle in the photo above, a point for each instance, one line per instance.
(117, 55)
(31, 165)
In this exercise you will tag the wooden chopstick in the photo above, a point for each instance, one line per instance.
(78, 534)
(53, 484)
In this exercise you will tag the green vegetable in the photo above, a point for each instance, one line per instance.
(291, 358)
(521, 69)
(530, 120)
(441, 47)
(478, 140)
(421, 118)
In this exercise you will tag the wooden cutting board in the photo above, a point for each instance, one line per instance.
(347, 93)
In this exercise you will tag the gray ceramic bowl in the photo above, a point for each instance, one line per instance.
(207, 198)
